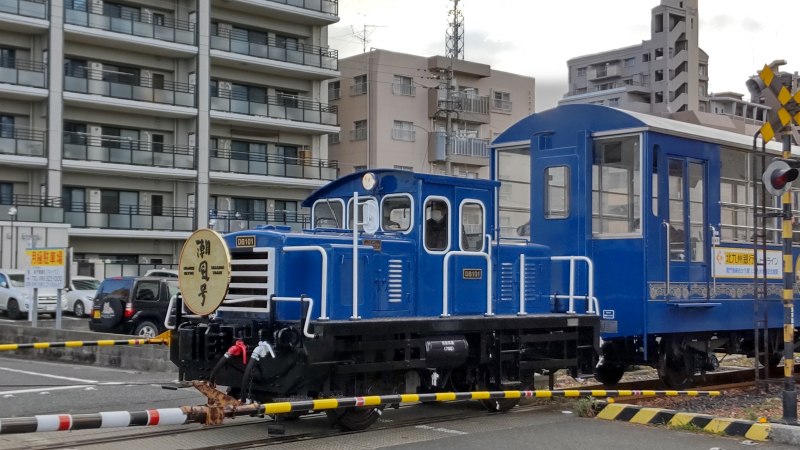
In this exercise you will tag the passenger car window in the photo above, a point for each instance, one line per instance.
(147, 290)
(117, 287)
(17, 280)
(396, 213)
(437, 225)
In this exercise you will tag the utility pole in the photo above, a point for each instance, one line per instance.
(454, 46)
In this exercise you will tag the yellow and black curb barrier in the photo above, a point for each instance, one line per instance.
(161, 339)
(212, 415)
(656, 416)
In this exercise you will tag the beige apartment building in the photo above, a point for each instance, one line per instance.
(136, 122)
(394, 107)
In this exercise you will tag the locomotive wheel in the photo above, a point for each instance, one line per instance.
(676, 372)
(609, 374)
(353, 419)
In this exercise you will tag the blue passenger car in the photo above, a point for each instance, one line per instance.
(401, 284)
(665, 211)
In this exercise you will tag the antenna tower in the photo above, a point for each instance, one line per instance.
(454, 42)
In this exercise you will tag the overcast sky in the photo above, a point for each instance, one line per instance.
(537, 37)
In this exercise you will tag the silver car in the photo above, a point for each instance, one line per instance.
(16, 299)
(80, 294)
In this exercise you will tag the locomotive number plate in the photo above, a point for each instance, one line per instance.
(472, 274)
(245, 241)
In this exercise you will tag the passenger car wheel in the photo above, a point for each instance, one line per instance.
(13, 309)
(79, 310)
(146, 329)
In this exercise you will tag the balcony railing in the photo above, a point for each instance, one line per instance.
(22, 141)
(128, 217)
(276, 107)
(223, 160)
(137, 23)
(32, 208)
(307, 55)
(128, 86)
(229, 221)
(608, 86)
(112, 149)
(27, 8)
(22, 72)
(324, 6)
(465, 102)
(459, 146)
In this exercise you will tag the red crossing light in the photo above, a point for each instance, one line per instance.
(778, 177)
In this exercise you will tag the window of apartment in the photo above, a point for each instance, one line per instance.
(659, 75)
(403, 86)
(659, 97)
(613, 101)
(409, 168)
(287, 42)
(247, 93)
(334, 138)
(157, 205)
(7, 57)
(359, 168)
(359, 131)
(646, 57)
(157, 143)
(501, 101)
(287, 98)
(703, 69)
(119, 202)
(616, 185)
(158, 19)
(120, 74)
(581, 71)
(7, 127)
(250, 209)
(77, 68)
(6, 193)
(359, 85)
(334, 90)
(286, 211)
(629, 62)
(74, 199)
(79, 5)
(75, 133)
(289, 153)
(579, 91)
(658, 23)
(403, 131)
(121, 11)
(121, 138)
(659, 53)
(158, 80)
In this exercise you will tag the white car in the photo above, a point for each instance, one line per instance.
(80, 294)
(16, 299)
(162, 273)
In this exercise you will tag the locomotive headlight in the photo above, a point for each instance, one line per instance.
(368, 181)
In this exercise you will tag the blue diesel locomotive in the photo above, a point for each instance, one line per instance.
(665, 209)
(401, 284)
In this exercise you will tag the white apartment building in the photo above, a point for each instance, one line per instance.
(393, 112)
(666, 74)
(136, 122)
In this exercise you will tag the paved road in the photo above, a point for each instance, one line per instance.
(32, 387)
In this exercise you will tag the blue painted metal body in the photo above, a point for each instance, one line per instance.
(392, 261)
(630, 270)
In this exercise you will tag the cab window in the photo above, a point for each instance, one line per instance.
(472, 219)
(396, 213)
(437, 225)
(361, 201)
(328, 213)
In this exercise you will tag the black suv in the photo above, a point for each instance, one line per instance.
(132, 305)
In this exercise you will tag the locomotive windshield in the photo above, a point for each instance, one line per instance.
(328, 213)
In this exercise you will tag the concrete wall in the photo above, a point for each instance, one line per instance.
(147, 358)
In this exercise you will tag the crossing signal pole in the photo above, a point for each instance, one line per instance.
(778, 178)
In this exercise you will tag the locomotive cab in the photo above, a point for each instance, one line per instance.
(399, 285)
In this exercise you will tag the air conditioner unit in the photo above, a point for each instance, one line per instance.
(94, 195)
(224, 85)
(224, 144)
(146, 15)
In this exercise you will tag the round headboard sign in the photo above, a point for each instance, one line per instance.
(205, 271)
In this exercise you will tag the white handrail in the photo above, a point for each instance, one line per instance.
(522, 286)
(445, 287)
(324, 294)
(308, 313)
(355, 257)
(593, 305)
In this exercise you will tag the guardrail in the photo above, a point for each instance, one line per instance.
(149, 25)
(273, 48)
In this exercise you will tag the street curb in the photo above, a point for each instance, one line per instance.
(730, 427)
(145, 358)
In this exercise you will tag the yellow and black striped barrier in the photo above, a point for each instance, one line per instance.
(203, 414)
(161, 339)
(656, 416)
(377, 400)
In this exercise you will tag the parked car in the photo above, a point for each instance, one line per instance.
(164, 273)
(132, 305)
(16, 299)
(80, 293)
